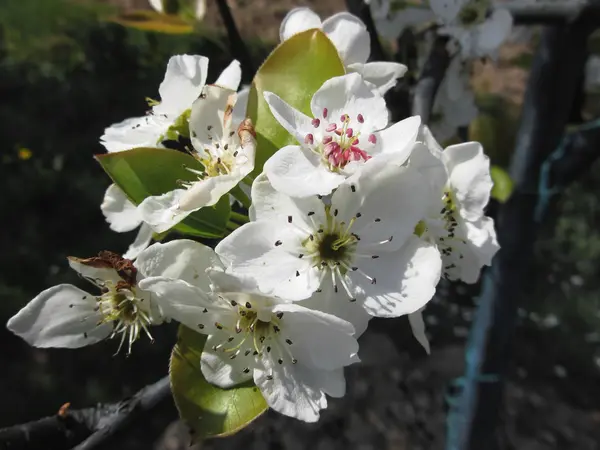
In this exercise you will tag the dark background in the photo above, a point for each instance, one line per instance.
(66, 74)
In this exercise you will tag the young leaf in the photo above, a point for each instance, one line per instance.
(503, 184)
(294, 71)
(210, 411)
(153, 21)
(143, 172)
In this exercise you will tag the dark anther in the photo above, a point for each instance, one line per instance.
(278, 243)
(289, 219)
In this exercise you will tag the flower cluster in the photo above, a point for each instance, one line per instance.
(359, 218)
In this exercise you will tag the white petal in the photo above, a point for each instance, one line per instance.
(141, 242)
(99, 274)
(187, 304)
(447, 10)
(350, 37)
(217, 366)
(320, 340)
(295, 122)
(475, 250)
(428, 162)
(240, 107)
(398, 140)
(270, 253)
(493, 32)
(384, 75)
(230, 77)
(208, 121)
(391, 26)
(161, 212)
(349, 94)
(417, 326)
(291, 390)
(338, 304)
(62, 316)
(184, 79)
(119, 211)
(208, 192)
(391, 201)
(136, 132)
(157, 5)
(406, 279)
(270, 204)
(470, 178)
(181, 259)
(297, 21)
(222, 281)
(299, 172)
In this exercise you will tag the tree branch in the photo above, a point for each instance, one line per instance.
(360, 9)
(430, 79)
(549, 11)
(551, 91)
(236, 43)
(99, 425)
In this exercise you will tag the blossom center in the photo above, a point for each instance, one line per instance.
(473, 13)
(119, 304)
(341, 141)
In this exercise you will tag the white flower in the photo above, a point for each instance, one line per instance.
(391, 17)
(454, 104)
(352, 41)
(346, 130)
(224, 143)
(184, 80)
(199, 7)
(294, 355)
(457, 223)
(467, 21)
(123, 216)
(358, 250)
(66, 316)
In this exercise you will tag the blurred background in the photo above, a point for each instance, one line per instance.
(68, 70)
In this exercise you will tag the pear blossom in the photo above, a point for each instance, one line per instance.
(351, 39)
(224, 143)
(391, 17)
(467, 21)
(454, 104)
(356, 250)
(167, 120)
(66, 316)
(457, 223)
(295, 355)
(347, 129)
(123, 216)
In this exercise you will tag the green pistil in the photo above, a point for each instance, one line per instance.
(181, 127)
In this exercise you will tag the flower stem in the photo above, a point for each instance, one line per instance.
(239, 218)
(241, 196)
(232, 226)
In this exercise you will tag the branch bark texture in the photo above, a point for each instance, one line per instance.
(551, 91)
(91, 428)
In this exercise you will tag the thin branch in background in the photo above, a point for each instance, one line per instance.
(431, 77)
(98, 426)
(550, 94)
(360, 9)
(238, 47)
(549, 11)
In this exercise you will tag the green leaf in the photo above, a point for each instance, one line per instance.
(294, 71)
(210, 411)
(143, 172)
(153, 21)
(503, 184)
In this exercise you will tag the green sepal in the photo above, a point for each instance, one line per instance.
(503, 184)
